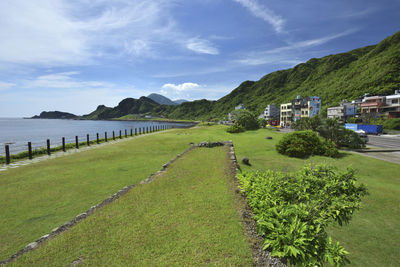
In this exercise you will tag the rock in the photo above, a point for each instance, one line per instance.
(246, 161)
(268, 137)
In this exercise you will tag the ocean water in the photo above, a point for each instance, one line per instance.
(17, 132)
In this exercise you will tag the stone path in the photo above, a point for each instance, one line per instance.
(16, 164)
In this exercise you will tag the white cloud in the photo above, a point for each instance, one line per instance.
(191, 91)
(5, 85)
(63, 80)
(201, 46)
(287, 55)
(61, 32)
(263, 13)
(181, 87)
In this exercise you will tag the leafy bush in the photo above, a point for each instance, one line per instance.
(350, 139)
(392, 124)
(261, 122)
(235, 128)
(332, 130)
(247, 119)
(302, 144)
(293, 210)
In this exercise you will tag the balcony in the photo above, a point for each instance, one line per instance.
(373, 104)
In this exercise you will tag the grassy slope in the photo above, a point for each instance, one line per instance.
(371, 236)
(185, 217)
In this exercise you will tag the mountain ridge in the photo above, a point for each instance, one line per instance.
(371, 69)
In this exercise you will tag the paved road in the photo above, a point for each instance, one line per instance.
(384, 141)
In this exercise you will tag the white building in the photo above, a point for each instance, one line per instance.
(271, 112)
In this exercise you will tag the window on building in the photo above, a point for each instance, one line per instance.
(395, 101)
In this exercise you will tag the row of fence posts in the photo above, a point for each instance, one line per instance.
(141, 130)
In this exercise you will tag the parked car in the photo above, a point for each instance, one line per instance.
(363, 135)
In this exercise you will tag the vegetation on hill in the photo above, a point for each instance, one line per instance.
(373, 69)
(55, 115)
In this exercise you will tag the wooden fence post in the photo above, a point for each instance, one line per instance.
(120, 134)
(126, 134)
(7, 154)
(135, 131)
(105, 136)
(87, 140)
(76, 142)
(131, 132)
(113, 135)
(30, 150)
(63, 144)
(48, 147)
(97, 138)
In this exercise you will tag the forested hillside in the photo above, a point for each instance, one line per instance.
(373, 69)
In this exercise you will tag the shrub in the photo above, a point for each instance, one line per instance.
(302, 144)
(350, 139)
(261, 122)
(247, 119)
(235, 128)
(392, 124)
(293, 211)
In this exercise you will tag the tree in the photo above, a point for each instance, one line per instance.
(246, 119)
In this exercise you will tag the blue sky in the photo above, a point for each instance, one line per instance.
(72, 55)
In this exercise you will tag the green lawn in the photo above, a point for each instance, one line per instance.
(41, 196)
(185, 217)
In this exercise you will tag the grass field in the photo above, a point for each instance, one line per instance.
(185, 217)
(42, 196)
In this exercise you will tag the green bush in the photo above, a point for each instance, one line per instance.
(302, 144)
(261, 122)
(350, 139)
(247, 119)
(392, 124)
(235, 128)
(293, 211)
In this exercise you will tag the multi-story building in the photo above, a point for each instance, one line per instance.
(392, 107)
(307, 107)
(345, 110)
(286, 114)
(271, 112)
(373, 105)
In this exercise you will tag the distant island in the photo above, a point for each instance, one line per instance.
(55, 115)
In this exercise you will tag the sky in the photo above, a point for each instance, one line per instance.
(73, 55)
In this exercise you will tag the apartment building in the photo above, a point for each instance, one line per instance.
(307, 107)
(286, 114)
(344, 111)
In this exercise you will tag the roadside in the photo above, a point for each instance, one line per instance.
(383, 147)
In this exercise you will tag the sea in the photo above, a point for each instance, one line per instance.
(17, 132)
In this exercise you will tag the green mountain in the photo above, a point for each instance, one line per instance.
(143, 105)
(373, 69)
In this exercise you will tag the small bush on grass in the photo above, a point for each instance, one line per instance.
(235, 128)
(302, 144)
(293, 210)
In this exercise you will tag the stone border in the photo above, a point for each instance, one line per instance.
(64, 227)
(261, 257)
